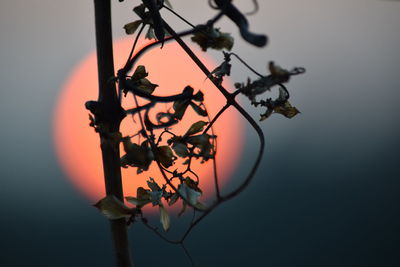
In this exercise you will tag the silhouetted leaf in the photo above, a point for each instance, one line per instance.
(180, 107)
(287, 110)
(195, 128)
(266, 115)
(146, 86)
(199, 96)
(113, 208)
(140, 73)
(278, 72)
(198, 109)
(213, 38)
(157, 21)
(151, 34)
(165, 156)
(139, 82)
(153, 185)
(136, 156)
(202, 142)
(131, 27)
(173, 199)
(190, 191)
(140, 10)
(180, 149)
(142, 198)
(222, 70)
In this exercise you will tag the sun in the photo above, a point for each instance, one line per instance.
(77, 145)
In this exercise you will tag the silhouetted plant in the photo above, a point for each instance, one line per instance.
(159, 144)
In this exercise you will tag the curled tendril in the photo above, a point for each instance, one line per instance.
(256, 8)
(171, 120)
(297, 71)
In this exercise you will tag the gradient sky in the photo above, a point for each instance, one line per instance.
(327, 191)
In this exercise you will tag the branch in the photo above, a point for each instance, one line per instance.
(112, 114)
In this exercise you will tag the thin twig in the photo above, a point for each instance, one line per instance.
(179, 16)
(247, 65)
(222, 110)
(135, 42)
(166, 239)
(188, 254)
(256, 8)
(214, 159)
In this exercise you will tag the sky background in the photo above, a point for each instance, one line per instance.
(326, 193)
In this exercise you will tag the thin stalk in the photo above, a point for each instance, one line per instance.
(247, 65)
(108, 101)
(179, 16)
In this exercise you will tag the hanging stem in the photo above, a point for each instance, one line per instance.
(112, 114)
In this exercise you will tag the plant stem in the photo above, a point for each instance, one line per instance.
(112, 116)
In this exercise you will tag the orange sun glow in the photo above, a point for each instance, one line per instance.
(77, 145)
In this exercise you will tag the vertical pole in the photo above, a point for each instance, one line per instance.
(112, 116)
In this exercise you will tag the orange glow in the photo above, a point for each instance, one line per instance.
(77, 145)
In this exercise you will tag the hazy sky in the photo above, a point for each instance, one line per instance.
(327, 191)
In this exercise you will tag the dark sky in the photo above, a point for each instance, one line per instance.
(325, 195)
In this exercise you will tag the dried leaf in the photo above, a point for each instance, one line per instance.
(131, 27)
(287, 110)
(140, 73)
(192, 184)
(202, 142)
(266, 115)
(199, 96)
(193, 196)
(136, 156)
(225, 41)
(165, 156)
(147, 86)
(157, 21)
(113, 208)
(190, 191)
(173, 199)
(180, 107)
(164, 218)
(142, 198)
(140, 10)
(283, 95)
(222, 70)
(196, 128)
(198, 140)
(276, 70)
(153, 185)
(198, 109)
(213, 38)
(180, 149)
(156, 197)
(150, 34)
